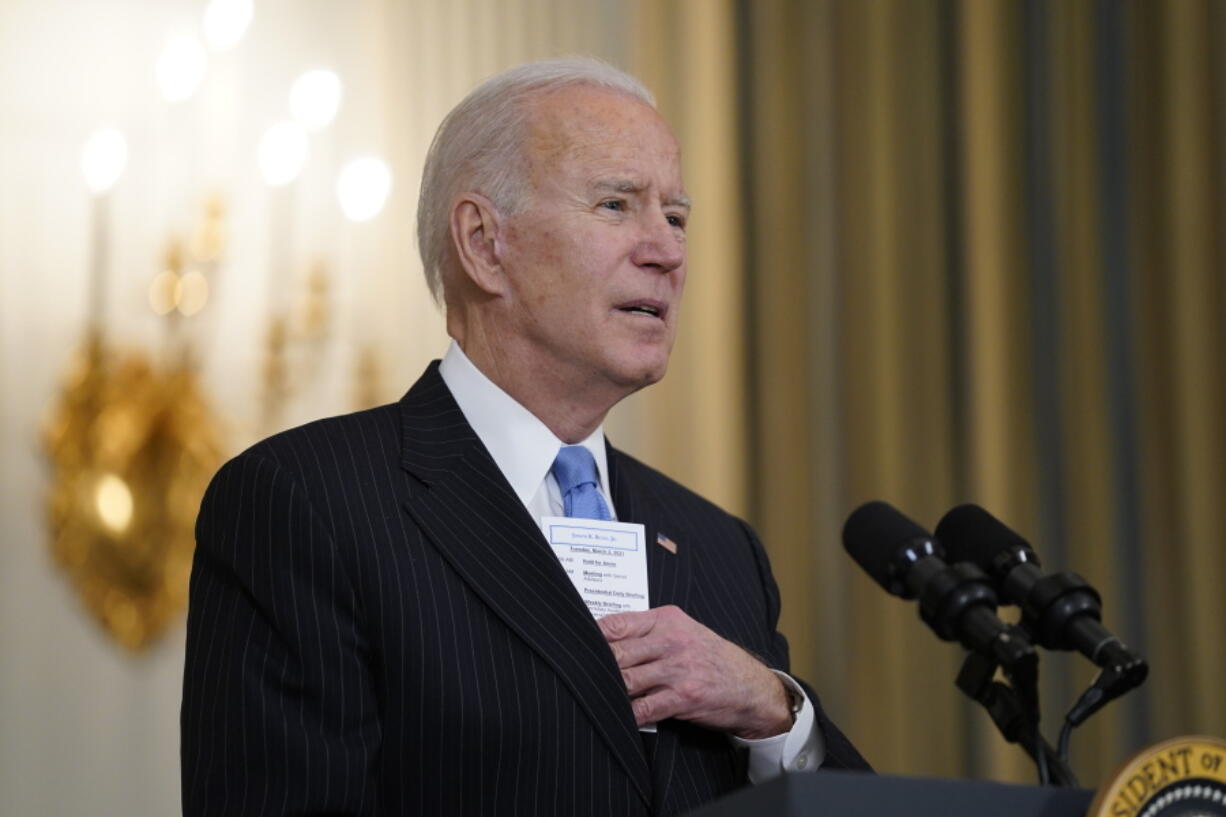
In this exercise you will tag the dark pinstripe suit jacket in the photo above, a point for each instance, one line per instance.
(377, 626)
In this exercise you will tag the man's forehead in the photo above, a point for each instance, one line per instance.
(596, 126)
(585, 118)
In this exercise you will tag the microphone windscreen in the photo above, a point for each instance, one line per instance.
(874, 534)
(971, 534)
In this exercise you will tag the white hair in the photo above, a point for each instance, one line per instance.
(478, 147)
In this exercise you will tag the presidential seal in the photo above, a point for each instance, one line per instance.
(1182, 777)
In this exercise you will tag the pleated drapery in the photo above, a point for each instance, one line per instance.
(983, 260)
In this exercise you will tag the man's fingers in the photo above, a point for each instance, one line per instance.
(632, 652)
(658, 706)
(649, 676)
(627, 625)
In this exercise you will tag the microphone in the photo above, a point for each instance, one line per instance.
(1061, 611)
(957, 602)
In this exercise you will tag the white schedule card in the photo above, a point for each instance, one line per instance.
(607, 561)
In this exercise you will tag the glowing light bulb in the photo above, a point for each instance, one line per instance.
(362, 188)
(181, 68)
(113, 501)
(283, 152)
(225, 22)
(103, 159)
(315, 97)
(162, 292)
(191, 293)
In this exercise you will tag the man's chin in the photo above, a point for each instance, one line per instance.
(642, 374)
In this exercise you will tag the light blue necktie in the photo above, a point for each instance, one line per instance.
(575, 470)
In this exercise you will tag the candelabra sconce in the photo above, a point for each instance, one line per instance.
(183, 287)
(132, 449)
(294, 344)
(368, 388)
(132, 445)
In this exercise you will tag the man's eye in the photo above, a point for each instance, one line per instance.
(677, 221)
(613, 204)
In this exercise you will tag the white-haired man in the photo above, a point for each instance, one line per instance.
(378, 624)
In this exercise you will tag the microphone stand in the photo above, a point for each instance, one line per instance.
(1015, 711)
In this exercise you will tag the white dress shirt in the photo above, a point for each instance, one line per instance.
(524, 449)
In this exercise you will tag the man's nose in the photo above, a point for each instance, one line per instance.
(662, 246)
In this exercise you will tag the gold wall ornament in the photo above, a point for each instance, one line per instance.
(208, 240)
(164, 288)
(132, 448)
(275, 369)
(368, 387)
(313, 313)
(178, 288)
(294, 343)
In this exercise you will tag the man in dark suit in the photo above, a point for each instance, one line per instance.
(377, 624)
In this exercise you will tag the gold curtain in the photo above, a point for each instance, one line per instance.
(981, 258)
(680, 50)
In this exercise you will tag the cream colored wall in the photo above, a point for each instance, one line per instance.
(86, 728)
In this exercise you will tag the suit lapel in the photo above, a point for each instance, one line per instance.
(667, 574)
(473, 517)
(668, 579)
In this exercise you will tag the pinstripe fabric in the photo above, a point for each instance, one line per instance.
(377, 626)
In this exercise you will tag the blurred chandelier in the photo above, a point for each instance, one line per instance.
(131, 439)
(132, 448)
(133, 444)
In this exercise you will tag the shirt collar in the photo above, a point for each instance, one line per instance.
(522, 446)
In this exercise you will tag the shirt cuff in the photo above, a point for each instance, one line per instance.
(799, 750)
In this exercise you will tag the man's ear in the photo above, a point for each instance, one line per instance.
(475, 234)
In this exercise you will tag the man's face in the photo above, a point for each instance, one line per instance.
(596, 258)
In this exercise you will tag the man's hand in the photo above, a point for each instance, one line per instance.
(675, 667)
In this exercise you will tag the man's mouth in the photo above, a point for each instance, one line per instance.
(654, 309)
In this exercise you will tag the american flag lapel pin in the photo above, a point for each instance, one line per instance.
(666, 543)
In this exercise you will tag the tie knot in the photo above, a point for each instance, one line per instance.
(574, 466)
(575, 470)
